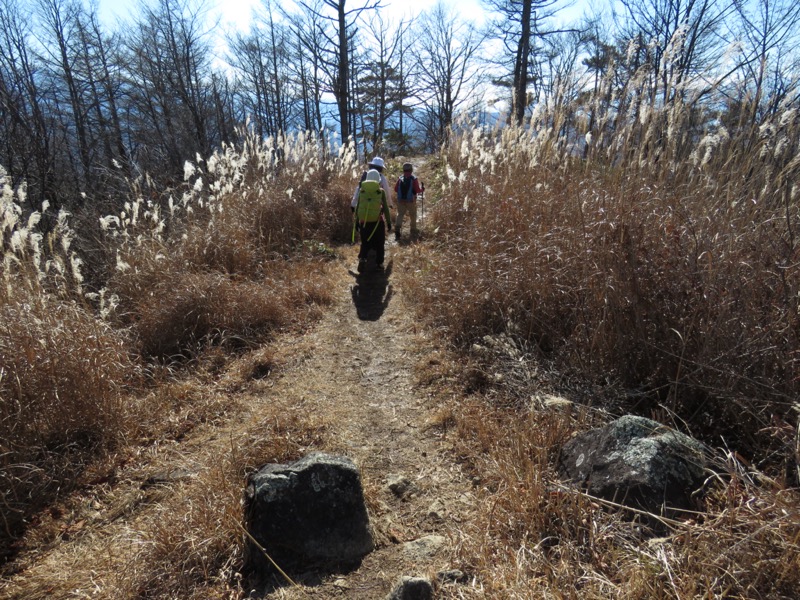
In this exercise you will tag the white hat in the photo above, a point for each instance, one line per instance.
(373, 175)
(376, 162)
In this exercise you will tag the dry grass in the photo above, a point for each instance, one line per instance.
(689, 300)
(540, 539)
(226, 259)
(64, 373)
(658, 276)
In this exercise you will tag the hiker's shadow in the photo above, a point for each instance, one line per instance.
(372, 293)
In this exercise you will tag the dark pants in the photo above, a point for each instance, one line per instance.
(377, 241)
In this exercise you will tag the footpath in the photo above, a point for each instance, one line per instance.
(362, 374)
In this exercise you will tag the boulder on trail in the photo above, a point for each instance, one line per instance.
(412, 588)
(637, 462)
(310, 512)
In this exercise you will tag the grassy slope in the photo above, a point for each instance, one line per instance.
(602, 284)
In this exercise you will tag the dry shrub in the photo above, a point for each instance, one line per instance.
(237, 256)
(672, 281)
(186, 312)
(690, 300)
(64, 372)
(537, 538)
(223, 259)
(192, 310)
(62, 400)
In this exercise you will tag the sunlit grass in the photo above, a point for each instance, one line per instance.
(658, 275)
(222, 259)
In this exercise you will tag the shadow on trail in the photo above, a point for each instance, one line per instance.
(267, 581)
(372, 292)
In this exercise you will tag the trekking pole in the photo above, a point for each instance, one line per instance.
(422, 199)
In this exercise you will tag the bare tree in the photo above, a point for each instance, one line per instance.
(519, 23)
(100, 64)
(168, 87)
(449, 73)
(263, 59)
(343, 24)
(380, 79)
(26, 151)
(770, 34)
(678, 40)
(311, 66)
(60, 18)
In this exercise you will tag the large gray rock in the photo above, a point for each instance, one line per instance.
(311, 511)
(637, 462)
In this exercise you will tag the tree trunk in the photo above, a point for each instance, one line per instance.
(520, 86)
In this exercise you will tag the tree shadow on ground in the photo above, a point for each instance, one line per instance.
(372, 292)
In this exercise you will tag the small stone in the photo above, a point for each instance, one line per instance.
(412, 588)
(424, 547)
(451, 576)
(437, 510)
(399, 485)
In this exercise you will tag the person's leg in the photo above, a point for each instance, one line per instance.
(362, 252)
(379, 242)
(401, 215)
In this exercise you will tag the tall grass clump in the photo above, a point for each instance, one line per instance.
(653, 271)
(539, 538)
(63, 370)
(671, 270)
(234, 252)
(219, 262)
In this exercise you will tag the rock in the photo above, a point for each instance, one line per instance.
(636, 462)
(452, 576)
(424, 547)
(310, 511)
(412, 588)
(437, 510)
(399, 485)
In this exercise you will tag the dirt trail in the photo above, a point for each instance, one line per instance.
(354, 371)
(361, 374)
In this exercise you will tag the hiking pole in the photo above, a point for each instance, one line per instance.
(422, 199)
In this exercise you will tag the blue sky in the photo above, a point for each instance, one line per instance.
(236, 13)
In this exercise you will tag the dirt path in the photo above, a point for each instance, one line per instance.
(361, 374)
(354, 372)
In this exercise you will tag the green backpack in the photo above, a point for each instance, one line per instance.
(370, 203)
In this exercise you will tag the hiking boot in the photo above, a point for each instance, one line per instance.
(397, 237)
(362, 263)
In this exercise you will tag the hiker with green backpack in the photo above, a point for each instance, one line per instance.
(371, 216)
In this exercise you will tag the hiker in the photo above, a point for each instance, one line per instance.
(371, 216)
(407, 188)
(377, 164)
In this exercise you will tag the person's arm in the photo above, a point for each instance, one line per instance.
(386, 188)
(417, 187)
(387, 213)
